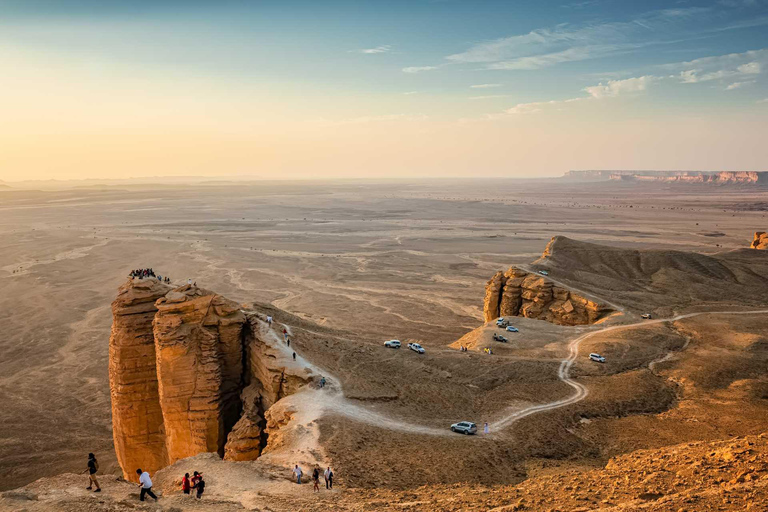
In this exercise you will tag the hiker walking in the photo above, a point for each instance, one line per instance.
(328, 478)
(185, 484)
(322, 382)
(316, 479)
(93, 467)
(486, 428)
(285, 334)
(294, 356)
(146, 485)
(297, 471)
(269, 320)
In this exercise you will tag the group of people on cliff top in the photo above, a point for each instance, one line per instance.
(196, 482)
(327, 474)
(141, 273)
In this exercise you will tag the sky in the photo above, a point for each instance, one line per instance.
(363, 89)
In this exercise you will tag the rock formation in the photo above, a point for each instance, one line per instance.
(191, 372)
(520, 293)
(137, 419)
(708, 177)
(199, 340)
(760, 241)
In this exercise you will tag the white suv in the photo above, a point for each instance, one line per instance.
(392, 344)
(596, 358)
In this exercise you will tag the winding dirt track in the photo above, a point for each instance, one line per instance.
(334, 400)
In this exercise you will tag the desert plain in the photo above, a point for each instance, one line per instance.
(350, 264)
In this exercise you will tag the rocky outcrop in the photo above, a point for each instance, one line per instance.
(137, 419)
(192, 372)
(199, 340)
(760, 241)
(517, 292)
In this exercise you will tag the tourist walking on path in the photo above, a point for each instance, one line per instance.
(185, 485)
(316, 479)
(269, 320)
(196, 477)
(328, 478)
(285, 334)
(322, 382)
(297, 471)
(486, 428)
(294, 356)
(93, 467)
(146, 485)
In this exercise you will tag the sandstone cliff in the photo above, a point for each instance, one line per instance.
(137, 419)
(517, 292)
(760, 241)
(199, 344)
(707, 177)
(191, 372)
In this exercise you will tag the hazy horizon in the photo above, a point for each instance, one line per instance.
(365, 90)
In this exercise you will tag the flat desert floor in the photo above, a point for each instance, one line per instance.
(383, 259)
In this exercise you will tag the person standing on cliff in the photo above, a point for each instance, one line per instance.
(93, 467)
(297, 471)
(328, 478)
(185, 485)
(146, 485)
(316, 479)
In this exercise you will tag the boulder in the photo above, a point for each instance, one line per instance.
(137, 419)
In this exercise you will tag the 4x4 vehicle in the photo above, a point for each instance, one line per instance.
(464, 427)
(502, 322)
(416, 348)
(544, 272)
(499, 337)
(596, 358)
(512, 328)
(392, 344)
(646, 316)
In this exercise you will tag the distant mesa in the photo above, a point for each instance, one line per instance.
(760, 241)
(192, 372)
(707, 177)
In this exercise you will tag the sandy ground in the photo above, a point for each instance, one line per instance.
(372, 260)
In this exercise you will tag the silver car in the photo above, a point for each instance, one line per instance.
(392, 344)
(464, 427)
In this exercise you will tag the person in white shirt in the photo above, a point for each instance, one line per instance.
(486, 428)
(298, 472)
(146, 484)
(328, 478)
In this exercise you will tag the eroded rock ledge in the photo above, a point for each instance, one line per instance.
(760, 241)
(517, 292)
(192, 372)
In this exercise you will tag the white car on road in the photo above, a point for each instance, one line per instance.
(512, 328)
(464, 427)
(543, 272)
(596, 358)
(501, 322)
(392, 344)
(416, 348)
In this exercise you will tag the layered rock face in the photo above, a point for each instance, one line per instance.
(137, 419)
(709, 177)
(760, 241)
(191, 372)
(520, 293)
(199, 340)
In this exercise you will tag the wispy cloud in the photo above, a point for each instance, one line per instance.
(373, 119)
(738, 85)
(379, 49)
(484, 86)
(721, 67)
(564, 43)
(418, 69)
(538, 106)
(614, 88)
(411, 93)
(764, 100)
(488, 97)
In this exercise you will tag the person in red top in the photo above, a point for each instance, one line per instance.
(185, 485)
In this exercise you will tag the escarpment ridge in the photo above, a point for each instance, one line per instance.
(760, 241)
(191, 372)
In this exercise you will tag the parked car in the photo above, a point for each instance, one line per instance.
(596, 358)
(499, 337)
(544, 272)
(416, 348)
(392, 344)
(512, 328)
(464, 427)
(646, 316)
(502, 322)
